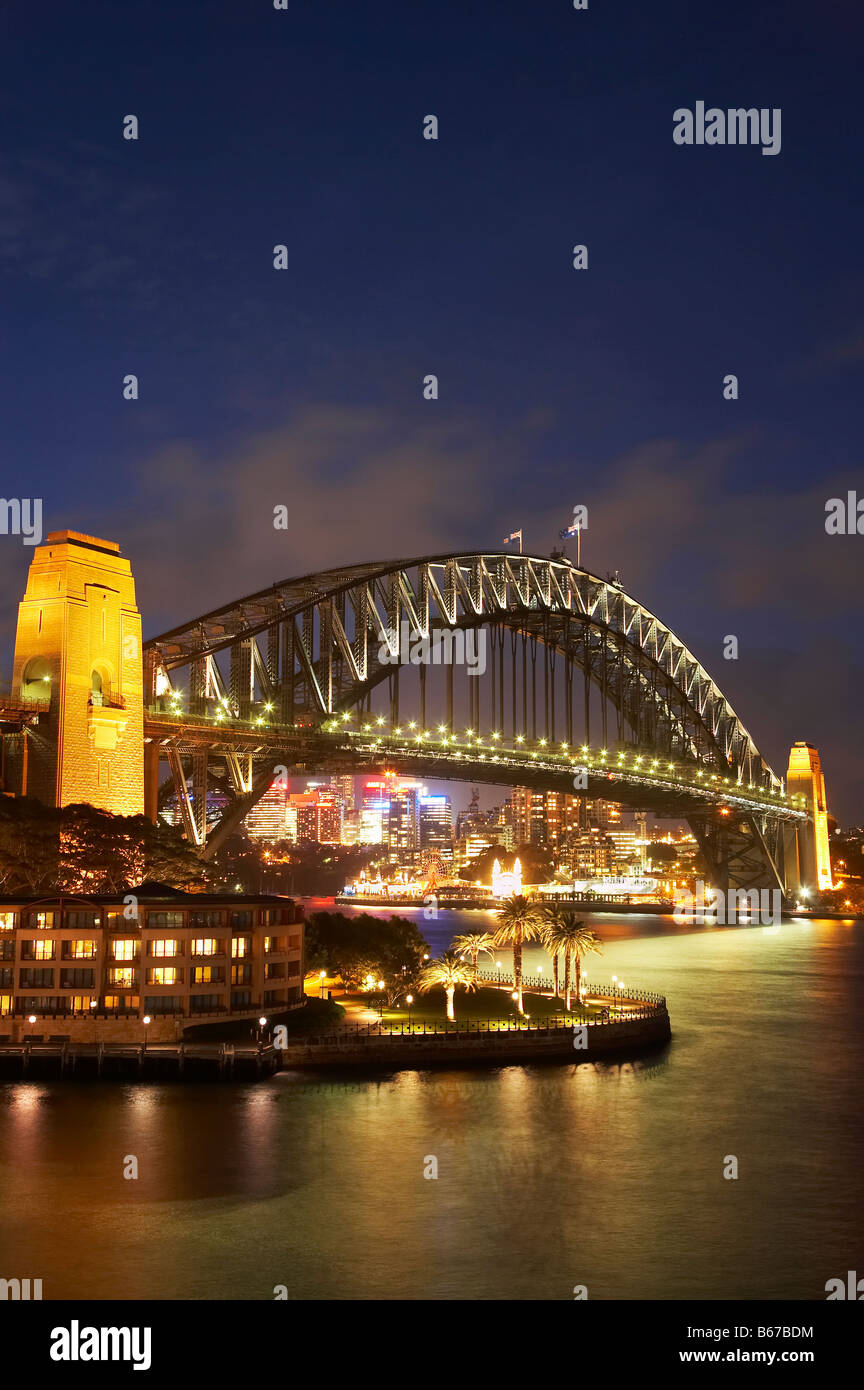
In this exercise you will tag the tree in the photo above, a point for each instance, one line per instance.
(518, 922)
(547, 919)
(29, 846)
(448, 971)
(389, 949)
(81, 849)
(471, 944)
(565, 933)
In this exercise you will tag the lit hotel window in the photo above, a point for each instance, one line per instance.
(5, 1004)
(80, 1003)
(124, 950)
(82, 950)
(163, 946)
(202, 974)
(162, 975)
(121, 975)
(240, 946)
(42, 920)
(43, 950)
(7, 921)
(205, 946)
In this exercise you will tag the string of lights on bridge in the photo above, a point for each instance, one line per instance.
(491, 747)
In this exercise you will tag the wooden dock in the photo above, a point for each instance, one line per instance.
(183, 1061)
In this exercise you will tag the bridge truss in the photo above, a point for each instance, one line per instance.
(561, 659)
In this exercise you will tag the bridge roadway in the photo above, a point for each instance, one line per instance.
(635, 778)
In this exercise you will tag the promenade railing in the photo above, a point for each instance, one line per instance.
(532, 983)
(474, 1027)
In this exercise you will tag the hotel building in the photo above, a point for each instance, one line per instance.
(190, 957)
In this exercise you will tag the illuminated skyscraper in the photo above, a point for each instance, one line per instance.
(436, 825)
(319, 816)
(543, 818)
(266, 820)
(403, 822)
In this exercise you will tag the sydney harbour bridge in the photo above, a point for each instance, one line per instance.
(565, 683)
(492, 667)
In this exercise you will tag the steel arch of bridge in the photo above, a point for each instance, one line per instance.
(310, 647)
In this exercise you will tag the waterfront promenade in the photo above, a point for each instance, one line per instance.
(483, 1041)
(622, 1022)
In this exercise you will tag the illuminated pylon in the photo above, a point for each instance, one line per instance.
(808, 858)
(78, 657)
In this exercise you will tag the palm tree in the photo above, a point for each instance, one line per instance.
(518, 922)
(471, 944)
(547, 917)
(566, 933)
(448, 971)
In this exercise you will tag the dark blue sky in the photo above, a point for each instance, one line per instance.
(409, 256)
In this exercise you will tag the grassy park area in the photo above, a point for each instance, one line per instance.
(483, 1003)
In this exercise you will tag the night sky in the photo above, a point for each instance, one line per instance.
(407, 257)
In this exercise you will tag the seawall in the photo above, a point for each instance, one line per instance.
(469, 1045)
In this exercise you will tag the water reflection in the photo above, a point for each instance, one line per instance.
(547, 1176)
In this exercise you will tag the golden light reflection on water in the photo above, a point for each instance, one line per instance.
(604, 1174)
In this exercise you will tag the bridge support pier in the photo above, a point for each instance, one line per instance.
(739, 853)
(151, 781)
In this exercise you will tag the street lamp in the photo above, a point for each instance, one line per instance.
(322, 976)
(409, 1000)
(146, 1021)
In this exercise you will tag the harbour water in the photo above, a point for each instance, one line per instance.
(608, 1177)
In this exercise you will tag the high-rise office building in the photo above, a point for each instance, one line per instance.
(403, 822)
(436, 825)
(266, 820)
(363, 827)
(343, 789)
(319, 816)
(543, 818)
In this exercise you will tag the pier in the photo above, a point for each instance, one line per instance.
(183, 1061)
